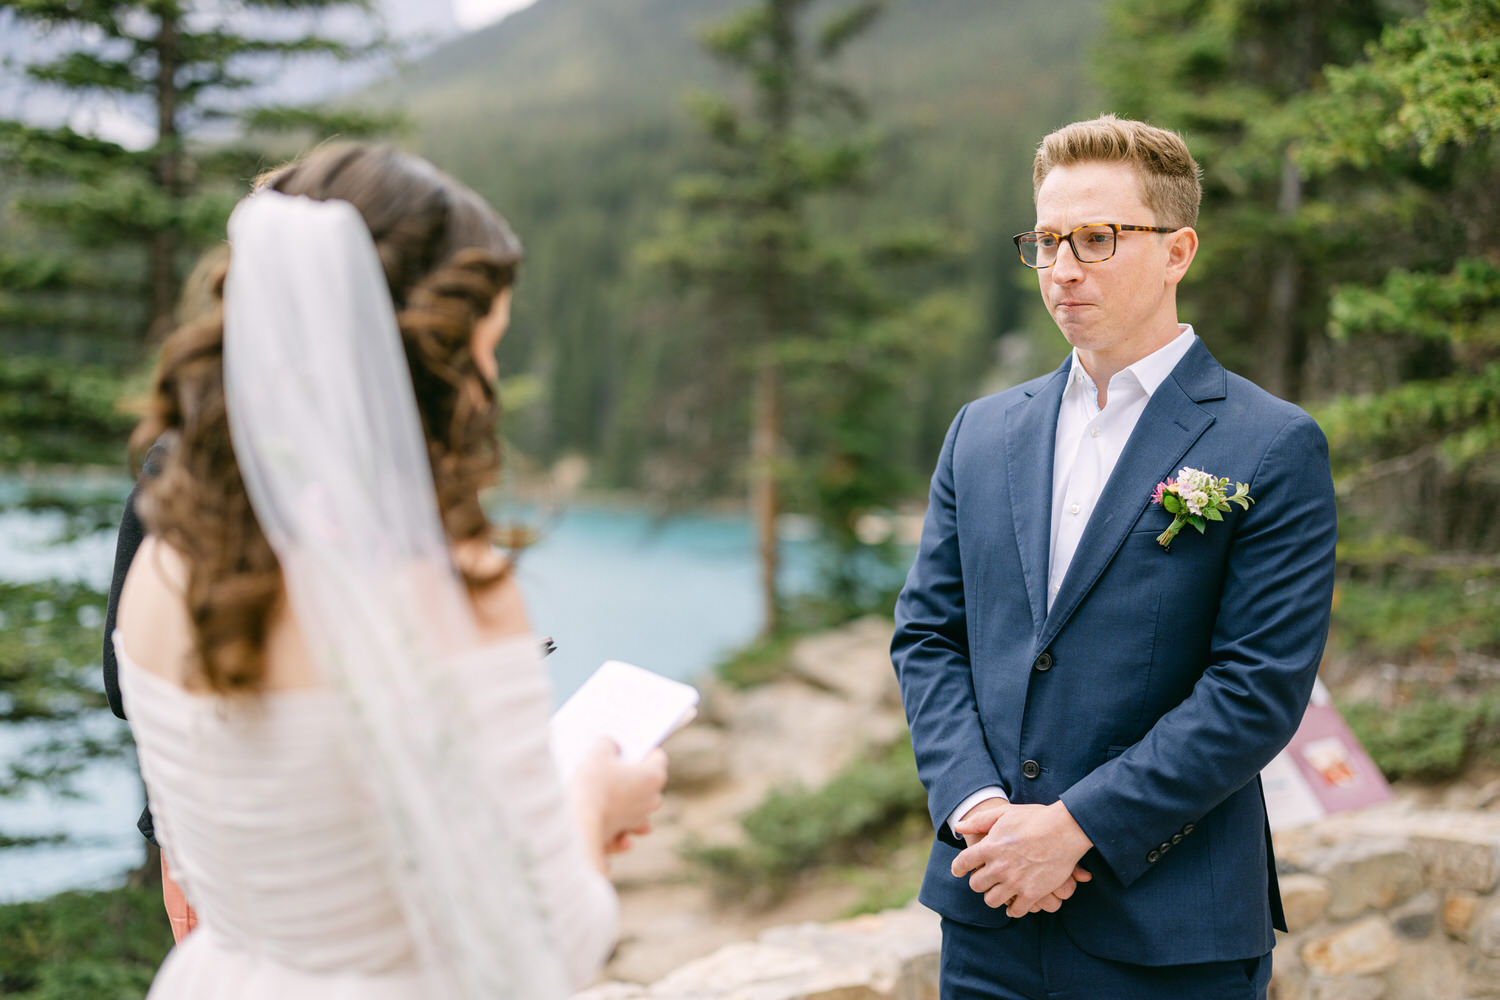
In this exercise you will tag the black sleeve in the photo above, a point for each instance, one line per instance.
(131, 534)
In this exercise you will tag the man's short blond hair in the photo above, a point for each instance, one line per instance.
(1169, 175)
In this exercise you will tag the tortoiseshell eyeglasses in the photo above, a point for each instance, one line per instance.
(1091, 243)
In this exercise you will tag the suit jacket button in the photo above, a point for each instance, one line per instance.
(1043, 663)
(1151, 858)
(1031, 769)
(1164, 848)
(1187, 829)
(1176, 838)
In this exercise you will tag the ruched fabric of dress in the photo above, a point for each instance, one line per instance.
(273, 837)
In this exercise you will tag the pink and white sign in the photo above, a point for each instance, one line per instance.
(1323, 770)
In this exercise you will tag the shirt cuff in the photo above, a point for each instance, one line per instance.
(987, 792)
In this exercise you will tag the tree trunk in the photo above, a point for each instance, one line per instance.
(764, 498)
(163, 256)
(162, 263)
(149, 873)
(1287, 352)
(775, 91)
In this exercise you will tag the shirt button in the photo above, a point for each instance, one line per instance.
(1093, 432)
(1074, 509)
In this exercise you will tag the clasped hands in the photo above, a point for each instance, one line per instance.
(1021, 857)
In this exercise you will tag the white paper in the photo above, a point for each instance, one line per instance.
(634, 707)
(1289, 802)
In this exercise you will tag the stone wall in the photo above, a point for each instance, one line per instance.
(883, 956)
(1391, 904)
(1394, 903)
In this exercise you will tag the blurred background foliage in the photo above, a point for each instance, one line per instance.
(99, 945)
(1350, 259)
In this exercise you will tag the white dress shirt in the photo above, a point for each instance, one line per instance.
(1088, 444)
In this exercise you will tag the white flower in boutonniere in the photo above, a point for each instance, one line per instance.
(1196, 498)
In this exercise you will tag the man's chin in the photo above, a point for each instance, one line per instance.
(1077, 334)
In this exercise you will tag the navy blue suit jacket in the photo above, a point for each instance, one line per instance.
(1160, 682)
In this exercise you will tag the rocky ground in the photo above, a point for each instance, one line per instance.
(838, 702)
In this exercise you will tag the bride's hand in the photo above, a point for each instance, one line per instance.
(614, 799)
(622, 843)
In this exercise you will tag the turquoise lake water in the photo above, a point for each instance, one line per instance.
(670, 595)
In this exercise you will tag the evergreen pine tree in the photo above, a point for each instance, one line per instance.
(111, 227)
(807, 317)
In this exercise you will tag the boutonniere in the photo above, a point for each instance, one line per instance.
(1196, 498)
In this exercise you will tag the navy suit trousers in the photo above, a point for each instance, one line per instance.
(1034, 959)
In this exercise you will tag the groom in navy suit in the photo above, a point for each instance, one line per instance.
(1090, 709)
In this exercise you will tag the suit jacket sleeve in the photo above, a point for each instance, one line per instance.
(1267, 641)
(132, 532)
(930, 651)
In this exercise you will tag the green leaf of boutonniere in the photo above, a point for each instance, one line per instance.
(1195, 498)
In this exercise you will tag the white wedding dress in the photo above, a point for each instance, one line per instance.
(270, 829)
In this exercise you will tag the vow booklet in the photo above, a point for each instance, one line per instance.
(634, 707)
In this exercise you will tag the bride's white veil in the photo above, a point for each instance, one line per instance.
(327, 436)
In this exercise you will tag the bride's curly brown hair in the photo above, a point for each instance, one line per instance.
(446, 256)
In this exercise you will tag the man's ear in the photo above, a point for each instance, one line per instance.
(1182, 247)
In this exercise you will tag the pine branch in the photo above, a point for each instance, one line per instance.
(348, 122)
(51, 14)
(158, 206)
(718, 119)
(105, 320)
(88, 71)
(217, 47)
(849, 25)
(736, 40)
(309, 5)
(216, 80)
(1416, 414)
(34, 272)
(62, 153)
(123, 211)
(1461, 307)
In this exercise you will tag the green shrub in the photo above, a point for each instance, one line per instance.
(767, 657)
(53, 412)
(98, 945)
(1402, 617)
(51, 638)
(50, 646)
(861, 816)
(762, 660)
(894, 881)
(1432, 736)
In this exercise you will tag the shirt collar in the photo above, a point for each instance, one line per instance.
(1150, 371)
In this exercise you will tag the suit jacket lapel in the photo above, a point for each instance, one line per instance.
(1170, 424)
(1030, 436)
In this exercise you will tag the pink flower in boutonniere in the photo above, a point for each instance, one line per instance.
(1196, 498)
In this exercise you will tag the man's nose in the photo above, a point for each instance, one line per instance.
(1066, 267)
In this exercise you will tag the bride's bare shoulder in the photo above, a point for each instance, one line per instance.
(157, 579)
(156, 626)
(152, 615)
